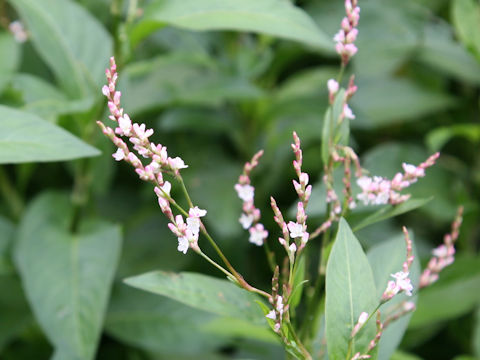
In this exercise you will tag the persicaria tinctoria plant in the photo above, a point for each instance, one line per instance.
(345, 308)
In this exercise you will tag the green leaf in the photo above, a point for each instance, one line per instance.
(476, 333)
(66, 276)
(448, 56)
(466, 17)
(350, 290)
(400, 355)
(438, 137)
(14, 311)
(390, 211)
(387, 258)
(27, 138)
(387, 100)
(8, 64)
(70, 40)
(441, 301)
(278, 18)
(44, 99)
(155, 324)
(330, 125)
(203, 292)
(181, 78)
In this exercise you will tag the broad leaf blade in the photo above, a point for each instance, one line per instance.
(350, 290)
(70, 40)
(66, 276)
(466, 17)
(202, 292)
(272, 17)
(27, 138)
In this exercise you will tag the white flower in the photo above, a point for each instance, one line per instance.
(347, 112)
(176, 163)
(166, 187)
(183, 244)
(119, 155)
(196, 212)
(245, 192)
(257, 234)
(271, 315)
(246, 220)
(332, 85)
(296, 230)
(125, 125)
(403, 282)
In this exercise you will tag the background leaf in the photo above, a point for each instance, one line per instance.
(27, 138)
(276, 18)
(67, 276)
(70, 40)
(350, 290)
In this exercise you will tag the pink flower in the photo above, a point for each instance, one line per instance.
(246, 220)
(332, 86)
(119, 155)
(296, 230)
(347, 112)
(176, 164)
(183, 244)
(258, 234)
(245, 192)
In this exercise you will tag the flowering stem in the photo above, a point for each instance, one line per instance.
(214, 263)
(184, 189)
(304, 351)
(350, 343)
(234, 273)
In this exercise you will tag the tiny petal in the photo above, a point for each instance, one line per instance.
(246, 220)
(119, 155)
(197, 212)
(183, 244)
(271, 315)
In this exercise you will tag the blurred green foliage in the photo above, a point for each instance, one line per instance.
(216, 87)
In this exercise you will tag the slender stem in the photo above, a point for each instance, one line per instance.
(214, 263)
(304, 351)
(11, 195)
(184, 189)
(350, 343)
(341, 72)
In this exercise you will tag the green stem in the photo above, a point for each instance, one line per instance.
(214, 263)
(350, 343)
(304, 351)
(10, 194)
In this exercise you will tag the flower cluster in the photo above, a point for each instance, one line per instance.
(276, 314)
(347, 35)
(187, 233)
(160, 162)
(298, 229)
(402, 281)
(377, 190)
(443, 255)
(250, 215)
(18, 31)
